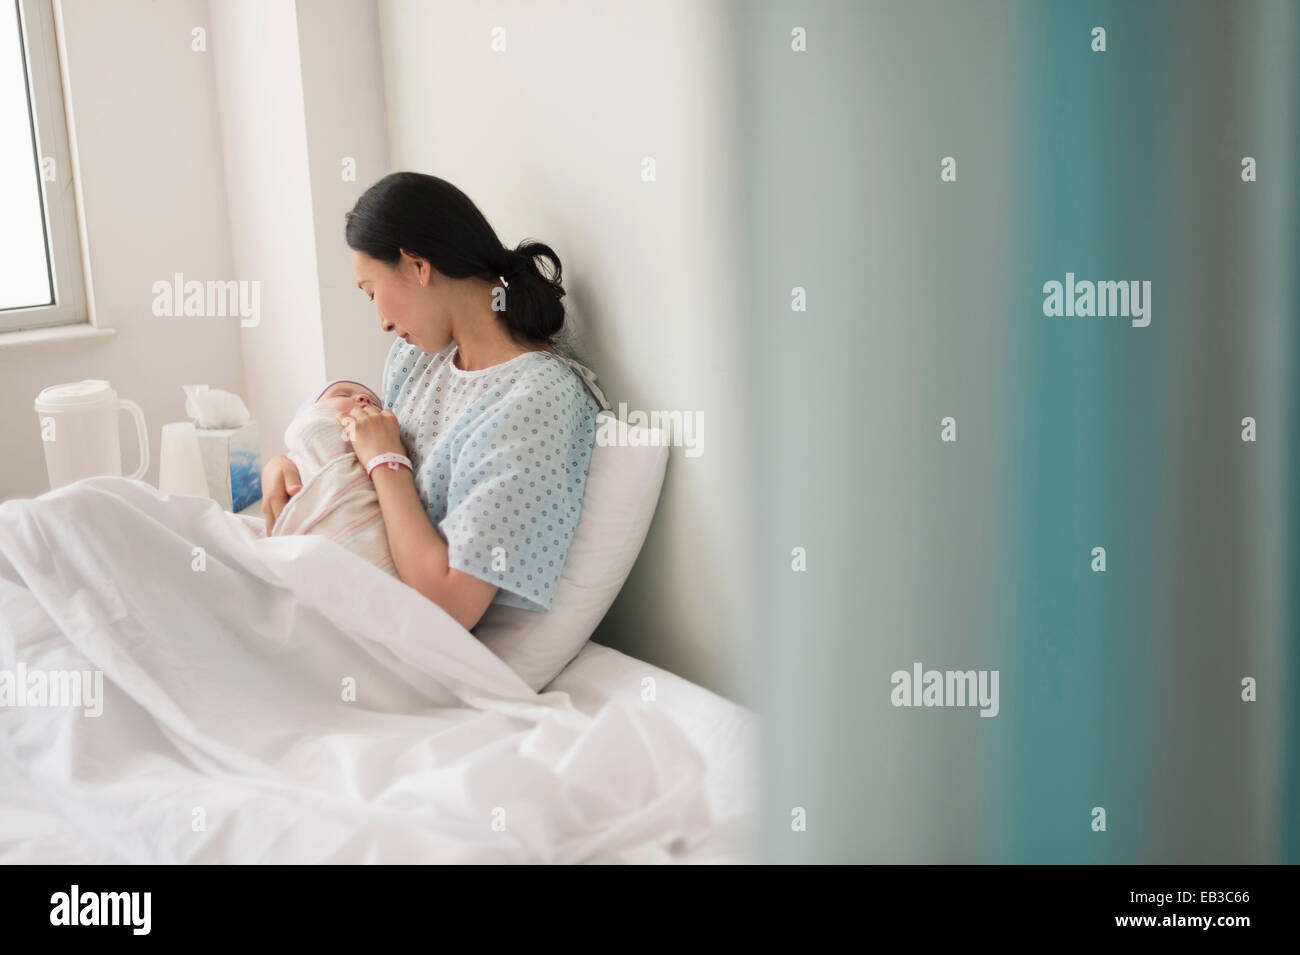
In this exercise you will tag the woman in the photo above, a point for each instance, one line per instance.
(498, 427)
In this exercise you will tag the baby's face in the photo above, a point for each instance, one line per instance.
(346, 395)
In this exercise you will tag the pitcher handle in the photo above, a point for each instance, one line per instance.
(141, 435)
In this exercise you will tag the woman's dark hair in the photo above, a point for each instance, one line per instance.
(431, 218)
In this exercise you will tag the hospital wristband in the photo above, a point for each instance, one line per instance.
(394, 461)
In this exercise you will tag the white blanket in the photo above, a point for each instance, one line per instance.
(225, 734)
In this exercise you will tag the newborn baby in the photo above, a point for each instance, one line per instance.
(337, 499)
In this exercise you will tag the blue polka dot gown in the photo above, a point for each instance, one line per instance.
(501, 457)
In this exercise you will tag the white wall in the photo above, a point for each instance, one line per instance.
(259, 85)
(300, 88)
(145, 128)
(548, 139)
(343, 95)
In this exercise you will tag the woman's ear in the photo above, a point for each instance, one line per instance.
(423, 271)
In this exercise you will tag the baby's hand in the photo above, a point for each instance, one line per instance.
(371, 432)
(280, 481)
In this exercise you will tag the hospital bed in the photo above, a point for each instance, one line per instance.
(280, 700)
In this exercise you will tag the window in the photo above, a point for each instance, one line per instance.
(41, 281)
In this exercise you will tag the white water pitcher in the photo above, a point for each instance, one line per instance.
(79, 430)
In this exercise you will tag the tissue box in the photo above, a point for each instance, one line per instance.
(232, 465)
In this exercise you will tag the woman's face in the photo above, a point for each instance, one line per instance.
(406, 298)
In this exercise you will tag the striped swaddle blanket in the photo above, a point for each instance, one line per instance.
(337, 499)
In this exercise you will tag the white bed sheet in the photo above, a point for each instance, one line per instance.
(726, 734)
(221, 703)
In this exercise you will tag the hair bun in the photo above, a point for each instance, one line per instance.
(429, 217)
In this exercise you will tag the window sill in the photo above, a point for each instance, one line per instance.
(56, 333)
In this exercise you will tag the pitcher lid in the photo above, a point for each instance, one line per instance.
(76, 395)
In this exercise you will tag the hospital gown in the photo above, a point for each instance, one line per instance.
(501, 457)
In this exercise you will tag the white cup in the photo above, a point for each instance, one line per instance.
(180, 462)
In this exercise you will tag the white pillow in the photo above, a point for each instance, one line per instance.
(623, 484)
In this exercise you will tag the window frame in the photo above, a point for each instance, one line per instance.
(43, 59)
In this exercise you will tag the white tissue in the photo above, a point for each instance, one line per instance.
(214, 408)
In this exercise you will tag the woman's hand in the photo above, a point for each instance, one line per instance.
(280, 481)
(371, 432)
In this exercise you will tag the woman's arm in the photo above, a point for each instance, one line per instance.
(418, 550)
(420, 553)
